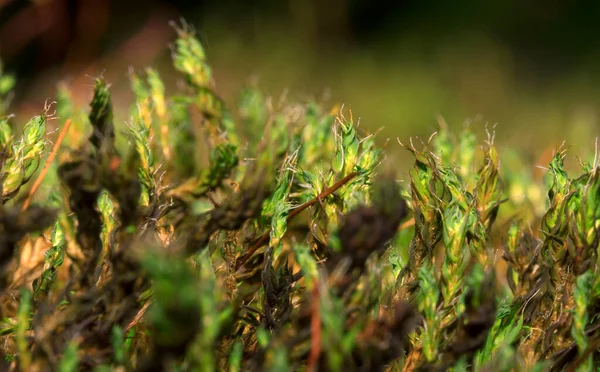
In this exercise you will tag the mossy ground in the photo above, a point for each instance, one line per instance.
(291, 246)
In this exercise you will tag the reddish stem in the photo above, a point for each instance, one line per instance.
(315, 331)
(40, 178)
(265, 237)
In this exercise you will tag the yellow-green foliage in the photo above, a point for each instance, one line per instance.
(264, 237)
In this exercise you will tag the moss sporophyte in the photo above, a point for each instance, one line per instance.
(188, 242)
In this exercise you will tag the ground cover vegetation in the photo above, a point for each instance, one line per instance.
(276, 236)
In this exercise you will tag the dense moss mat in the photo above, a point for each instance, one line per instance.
(276, 236)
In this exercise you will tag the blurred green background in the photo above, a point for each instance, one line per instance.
(530, 66)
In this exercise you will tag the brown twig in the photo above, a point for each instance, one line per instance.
(40, 178)
(315, 331)
(264, 238)
(138, 317)
(335, 187)
(593, 347)
(212, 200)
(560, 356)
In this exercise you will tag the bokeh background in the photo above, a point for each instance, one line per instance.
(530, 66)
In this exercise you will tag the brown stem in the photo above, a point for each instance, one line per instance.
(212, 199)
(315, 331)
(40, 178)
(265, 237)
(335, 187)
(136, 319)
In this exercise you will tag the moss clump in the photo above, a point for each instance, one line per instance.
(269, 238)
